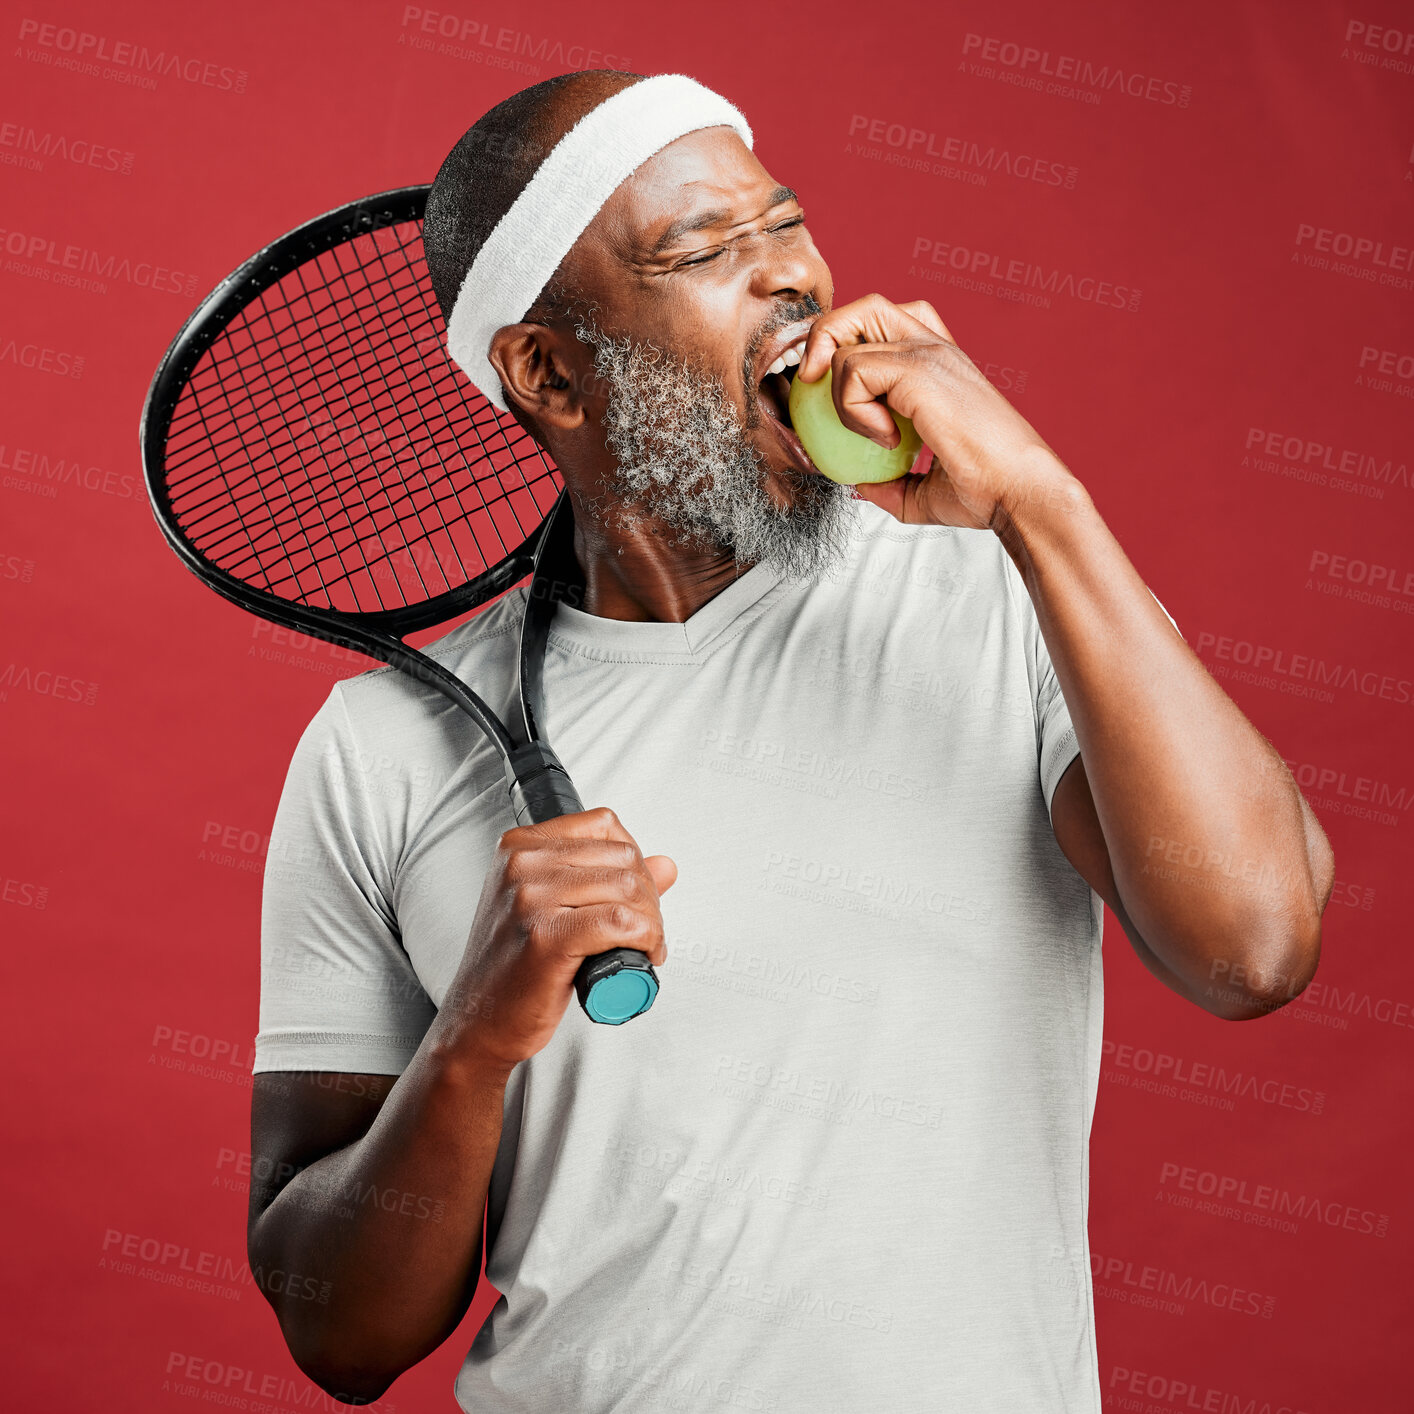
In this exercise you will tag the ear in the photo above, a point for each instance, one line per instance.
(537, 376)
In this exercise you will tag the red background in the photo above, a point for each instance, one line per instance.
(147, 725)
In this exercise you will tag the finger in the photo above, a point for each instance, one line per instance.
(532, 858)
(924, 313)
(600, 823)
(577, 852)
(593, 855)
(663, 870)
(582, 888)
(920, 499)
(871, 320)
(586, 932)
(887, 495)
(861, 382)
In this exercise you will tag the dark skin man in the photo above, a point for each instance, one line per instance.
(696, 252)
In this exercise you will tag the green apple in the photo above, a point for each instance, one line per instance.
(840, 454)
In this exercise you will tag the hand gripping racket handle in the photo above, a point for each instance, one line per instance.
(614, 986)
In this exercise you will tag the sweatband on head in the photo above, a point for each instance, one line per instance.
(582, 171)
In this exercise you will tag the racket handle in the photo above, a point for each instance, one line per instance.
(614, 986)
(540, 787)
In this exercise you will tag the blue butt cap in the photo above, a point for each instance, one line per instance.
(614, 1000)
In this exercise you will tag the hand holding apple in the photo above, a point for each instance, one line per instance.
(840, 454)
(889, 362)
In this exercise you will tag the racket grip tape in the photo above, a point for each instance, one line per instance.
(540, 787)
(614, 986)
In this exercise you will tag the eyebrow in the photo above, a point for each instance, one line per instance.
(705, 220)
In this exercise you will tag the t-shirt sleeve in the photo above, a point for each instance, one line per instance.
(1056, 742)
(337, 990)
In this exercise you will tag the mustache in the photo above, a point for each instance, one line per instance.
(787, 312)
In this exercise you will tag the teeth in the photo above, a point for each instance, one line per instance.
(788, 359)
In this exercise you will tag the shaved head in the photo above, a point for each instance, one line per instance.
(490, 167)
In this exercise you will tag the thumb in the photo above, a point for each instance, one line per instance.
(663, 870)
(887, 495)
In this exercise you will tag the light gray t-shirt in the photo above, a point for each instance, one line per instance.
(842, 1164)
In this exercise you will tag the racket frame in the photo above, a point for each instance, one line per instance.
(375, 633)
(540, 787)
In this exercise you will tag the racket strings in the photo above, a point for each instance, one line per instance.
(389, 333)
(259, 406)
(431, 319)
(354, 405)
(338, 418)
(324, 448)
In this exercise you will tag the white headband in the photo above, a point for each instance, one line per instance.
(583, 170)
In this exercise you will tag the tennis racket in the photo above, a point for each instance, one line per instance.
(313, 455)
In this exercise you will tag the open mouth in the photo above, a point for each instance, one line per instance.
(773, 395)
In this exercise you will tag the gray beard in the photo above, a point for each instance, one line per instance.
(683, 463)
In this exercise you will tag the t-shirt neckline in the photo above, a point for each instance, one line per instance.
(582, 632)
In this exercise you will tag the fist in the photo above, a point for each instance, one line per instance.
(555, 894)
(986, 457)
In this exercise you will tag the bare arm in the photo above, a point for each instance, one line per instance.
(1205, 831)
(368, 1194)
(1080, 837)
(1189, 824)
(370, 1253)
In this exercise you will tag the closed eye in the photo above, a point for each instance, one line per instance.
(786, 225)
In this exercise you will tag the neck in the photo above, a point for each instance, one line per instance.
(636, 575)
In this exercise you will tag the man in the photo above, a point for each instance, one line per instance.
(898, 749)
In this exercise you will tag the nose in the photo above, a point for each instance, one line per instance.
(787, 270)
